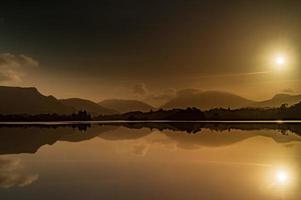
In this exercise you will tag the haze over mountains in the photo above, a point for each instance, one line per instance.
(207, 100)
(124, 106)
(17, 100)
(218, 99)
(89, 106)
(278, 100)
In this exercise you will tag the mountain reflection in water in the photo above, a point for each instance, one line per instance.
(150, 160)
(28, 138)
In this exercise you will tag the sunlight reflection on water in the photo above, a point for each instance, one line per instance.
(151, 161)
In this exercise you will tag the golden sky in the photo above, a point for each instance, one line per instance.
(150, 50)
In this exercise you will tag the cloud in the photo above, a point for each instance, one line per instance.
(140, 89)
(13, 180)
(8, 164)
(13, 68)
(11, 174)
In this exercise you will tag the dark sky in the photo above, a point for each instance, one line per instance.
(104, 49)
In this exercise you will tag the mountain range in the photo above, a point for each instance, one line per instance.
(17, 100)
(217, 99)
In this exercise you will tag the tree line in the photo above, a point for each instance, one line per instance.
(190, 114)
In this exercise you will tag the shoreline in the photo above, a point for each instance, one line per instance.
(153, 121)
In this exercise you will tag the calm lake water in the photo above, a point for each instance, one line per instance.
(151, 161)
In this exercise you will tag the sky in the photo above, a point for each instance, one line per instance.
(148, 50)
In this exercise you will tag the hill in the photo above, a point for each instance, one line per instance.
(89, 106)
(124, 106)
(17, 100)
(217, 99)
(278, 100)
(207, 100)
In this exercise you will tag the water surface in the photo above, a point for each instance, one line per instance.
(150, 161)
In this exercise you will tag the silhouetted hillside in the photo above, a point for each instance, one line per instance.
(278, 100)
(297, 107)
(27, 104)
(89, 106)
(215, 99)
(17, 100)
(124, 106)
(191, 114)
(207, 100)
(294, 112)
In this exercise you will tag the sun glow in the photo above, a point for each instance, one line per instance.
(281, 177)
(280, 62)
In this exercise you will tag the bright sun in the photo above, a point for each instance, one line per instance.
(280, 62)
(281, 177)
